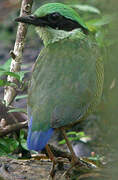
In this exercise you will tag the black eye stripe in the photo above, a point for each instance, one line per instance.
(56, 20)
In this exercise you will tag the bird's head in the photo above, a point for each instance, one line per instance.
(55, 18)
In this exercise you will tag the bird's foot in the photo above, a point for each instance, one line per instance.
(74, 164)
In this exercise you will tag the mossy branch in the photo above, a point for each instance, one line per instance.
(16, 54)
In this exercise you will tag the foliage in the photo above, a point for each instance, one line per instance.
(98, 25)
(22, 139)
(9, 145)
(74, 136)
(5, 70)
(17, 110)
(86, 8)
(21, 97)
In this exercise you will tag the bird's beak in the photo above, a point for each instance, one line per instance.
(31, 19)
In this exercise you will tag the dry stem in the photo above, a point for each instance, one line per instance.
(14, 127)
(10, 92)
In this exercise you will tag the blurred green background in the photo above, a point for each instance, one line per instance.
(107, 112)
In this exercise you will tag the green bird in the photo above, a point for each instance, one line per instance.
(67, 80)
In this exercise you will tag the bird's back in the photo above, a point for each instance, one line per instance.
(66, 83)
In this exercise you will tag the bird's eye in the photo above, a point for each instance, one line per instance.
(54, 17)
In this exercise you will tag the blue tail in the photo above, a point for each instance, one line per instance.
(37, 140)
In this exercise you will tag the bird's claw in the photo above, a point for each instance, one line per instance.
(74, 164)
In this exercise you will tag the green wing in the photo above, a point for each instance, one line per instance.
(66, 83)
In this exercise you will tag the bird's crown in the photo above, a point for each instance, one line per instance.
(56, 9)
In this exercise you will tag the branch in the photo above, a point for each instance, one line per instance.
(10, 92)
(14, 127)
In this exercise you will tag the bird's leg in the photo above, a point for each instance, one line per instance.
(52, 158)
(74, 158)
(50, 154)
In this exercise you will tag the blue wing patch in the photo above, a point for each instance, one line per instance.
(37, 140)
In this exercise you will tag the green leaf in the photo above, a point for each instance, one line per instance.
(21, 74)
(3, 83)
(77, 136)
(6, 83)
(12, 144)
(6, 65)
(2, 152)
(15, 75)
(4, 146)
(62, 142)
(18, 110)
(71, 133)
(22, 134)
(70, 139)
(81, 134)
(100, 21)
(21, 97)
(1, 69)
(24, 143)
(86, 8)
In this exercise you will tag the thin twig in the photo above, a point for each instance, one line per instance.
(16, 55)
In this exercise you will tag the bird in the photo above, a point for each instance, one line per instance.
(68, 75)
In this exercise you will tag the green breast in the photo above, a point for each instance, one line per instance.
(66, 83)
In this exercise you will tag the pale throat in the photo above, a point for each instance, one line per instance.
(49, 35)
